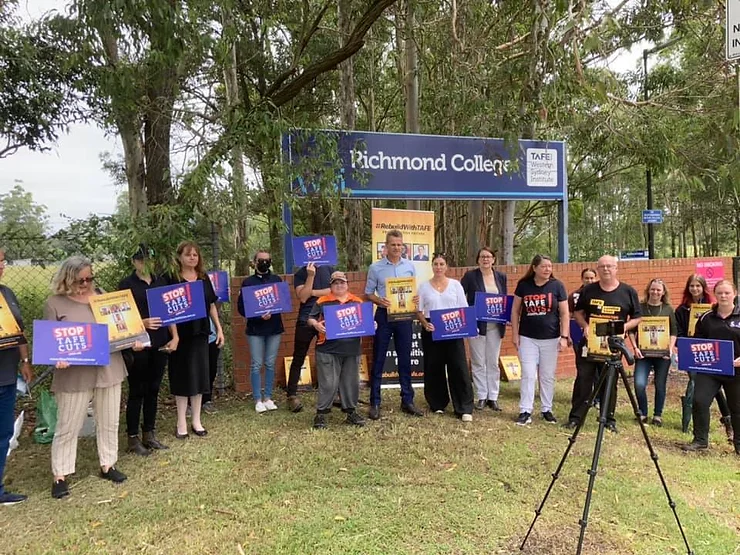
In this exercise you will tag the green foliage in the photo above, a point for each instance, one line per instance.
(23, 224)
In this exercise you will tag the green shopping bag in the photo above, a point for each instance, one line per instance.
(46, 418)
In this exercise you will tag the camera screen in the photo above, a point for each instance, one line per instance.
(615, 327)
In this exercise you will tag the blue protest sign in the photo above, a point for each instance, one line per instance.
(319, 249)
(178, 303)
(490, 307)
(349, 320)
(707, 356)
(453, 323)
(261, 299)
(78, 343)
(220, 281)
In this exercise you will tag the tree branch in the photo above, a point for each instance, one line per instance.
(355, 42)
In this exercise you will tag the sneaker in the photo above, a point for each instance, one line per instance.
(644, 419)
(260, 407)
(570, 425)
(523, 419)
(439, 411)
(319, 421)
(374, 413)
(355, 419)
(549, 417)
(467, 418)
(480, 404)
(209, 408)
(657, 421)
(59, 489)
(694, 446)
(8, 498)
(114, 475)
(270, 405)
(494, 405)
(612, 427)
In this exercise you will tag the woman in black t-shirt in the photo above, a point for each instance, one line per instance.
(723, 323)
(539, 325)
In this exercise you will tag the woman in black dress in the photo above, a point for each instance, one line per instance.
(188, 365)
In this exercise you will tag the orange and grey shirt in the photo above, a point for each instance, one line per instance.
(343, 347)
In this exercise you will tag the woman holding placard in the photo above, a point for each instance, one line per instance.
(10, 358)
(485, 349)
(722, 322)
(695, 294)
(540, 327)
(654, 341)
(445, 364)
(188, 366)
(263, 334)
(73, 386)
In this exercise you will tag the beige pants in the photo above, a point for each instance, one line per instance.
(71, 412)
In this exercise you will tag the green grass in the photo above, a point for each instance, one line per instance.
(270, 484)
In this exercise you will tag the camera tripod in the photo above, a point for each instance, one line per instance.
(608, 376)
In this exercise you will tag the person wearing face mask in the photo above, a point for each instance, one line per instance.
(723, 323)
(263, 334)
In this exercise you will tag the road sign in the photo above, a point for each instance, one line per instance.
(634, 255)
(652, 216)
(732, 30)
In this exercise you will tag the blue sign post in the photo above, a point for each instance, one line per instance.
(652, 216)
(409, 166)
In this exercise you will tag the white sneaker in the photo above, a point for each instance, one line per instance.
(260, 407)
(467, 418)
(270, 404)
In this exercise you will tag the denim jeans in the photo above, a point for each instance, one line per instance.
(642, 370)
(263, 349)
(7, 421)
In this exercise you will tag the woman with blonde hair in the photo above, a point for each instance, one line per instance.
(74, 386)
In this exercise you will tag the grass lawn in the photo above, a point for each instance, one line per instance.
(271, 484)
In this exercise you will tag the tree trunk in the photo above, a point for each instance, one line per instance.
(157, 126)
(411, 82)
(353, 220)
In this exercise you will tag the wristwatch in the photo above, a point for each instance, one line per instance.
(564, 337)
(25, 360)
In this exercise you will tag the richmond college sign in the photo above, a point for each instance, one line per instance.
(391, 165)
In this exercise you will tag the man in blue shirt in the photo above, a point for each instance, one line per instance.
(390, 266)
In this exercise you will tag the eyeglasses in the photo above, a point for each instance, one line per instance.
(268, 260)
(606, 266)
(83, 281)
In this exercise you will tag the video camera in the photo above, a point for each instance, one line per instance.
(614, 332)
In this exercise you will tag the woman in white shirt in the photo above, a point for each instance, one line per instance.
(444, 361)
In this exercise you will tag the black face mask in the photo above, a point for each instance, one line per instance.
(263, 266)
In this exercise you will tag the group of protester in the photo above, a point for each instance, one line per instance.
(540, 329)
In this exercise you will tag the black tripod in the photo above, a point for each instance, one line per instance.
(608, 376)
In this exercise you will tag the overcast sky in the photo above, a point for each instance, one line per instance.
(69, 178)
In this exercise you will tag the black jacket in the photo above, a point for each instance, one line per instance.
(682, 318)
(712, 326)
(472, 282)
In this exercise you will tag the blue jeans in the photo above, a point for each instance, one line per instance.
(642, 370)
(263, 349)
(7, 421)
(402, 333)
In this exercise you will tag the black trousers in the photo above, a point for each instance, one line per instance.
(722, 405)
(304, 334)
(144, 378)
(706, 387)
(213, 353)
(586, 373)
(445, 363)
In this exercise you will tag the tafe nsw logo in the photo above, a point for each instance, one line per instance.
(177, 300)
(542, 167)
(350, 318)
(73, 339)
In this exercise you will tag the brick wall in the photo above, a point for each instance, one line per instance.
(673, 272)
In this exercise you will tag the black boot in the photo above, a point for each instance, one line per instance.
(135, 446)
(151, 441)
(727, 422)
